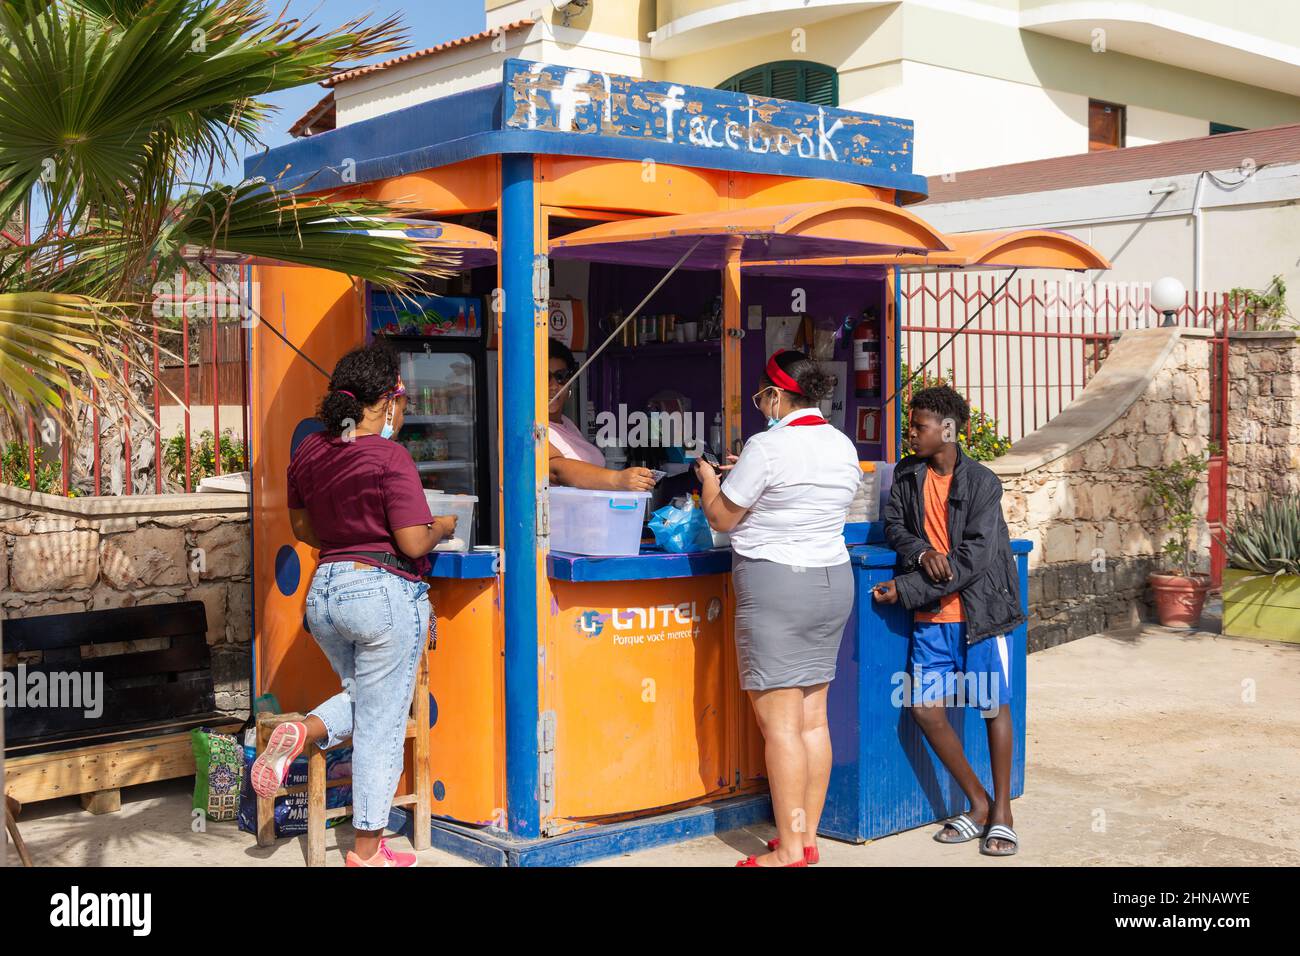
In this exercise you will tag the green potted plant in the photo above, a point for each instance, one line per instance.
(1261, 585)
(1179, 593)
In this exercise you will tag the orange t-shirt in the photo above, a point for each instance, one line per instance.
(936, 530)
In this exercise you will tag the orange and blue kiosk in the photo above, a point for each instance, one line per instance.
(587, 706)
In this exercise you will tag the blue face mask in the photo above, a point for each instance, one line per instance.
(773, 422)
(387, 430)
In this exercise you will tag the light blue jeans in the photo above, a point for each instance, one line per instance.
(372, 626)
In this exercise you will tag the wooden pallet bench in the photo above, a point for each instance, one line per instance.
(151, 700)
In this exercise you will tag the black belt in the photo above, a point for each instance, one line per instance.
(383, 558)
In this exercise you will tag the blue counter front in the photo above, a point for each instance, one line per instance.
(885, 778)
(463, 565)
(654, 563)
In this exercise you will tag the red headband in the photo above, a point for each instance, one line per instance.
(779, 378)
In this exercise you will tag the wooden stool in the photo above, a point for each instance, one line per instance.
(417, 729)
(12, 809)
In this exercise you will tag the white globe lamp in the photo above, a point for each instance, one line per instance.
(1168, 295)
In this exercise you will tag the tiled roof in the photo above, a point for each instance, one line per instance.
(420, 54)
(1275, 144)
(318, 119)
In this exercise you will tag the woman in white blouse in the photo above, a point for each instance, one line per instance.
(784, 502)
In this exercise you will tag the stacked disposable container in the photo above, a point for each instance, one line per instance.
(873, 492)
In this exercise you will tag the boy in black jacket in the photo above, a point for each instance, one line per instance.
(957, 575)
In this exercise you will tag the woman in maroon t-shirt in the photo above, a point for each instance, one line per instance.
(356, 497)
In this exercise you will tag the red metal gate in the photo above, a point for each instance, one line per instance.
(207, 330)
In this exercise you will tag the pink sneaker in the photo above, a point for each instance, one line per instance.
(272, 764)
(384, 856)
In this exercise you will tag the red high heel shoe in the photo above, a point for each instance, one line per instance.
(753, 861)
(811, 854)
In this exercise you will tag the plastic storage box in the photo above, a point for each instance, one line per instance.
(462, 506)
(597, 522)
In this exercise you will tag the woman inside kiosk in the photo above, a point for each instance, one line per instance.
(575, 461)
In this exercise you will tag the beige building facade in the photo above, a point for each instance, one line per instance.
(987, 82)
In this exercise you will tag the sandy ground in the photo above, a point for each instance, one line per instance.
(1146, 747)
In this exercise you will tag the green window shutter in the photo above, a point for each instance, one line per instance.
(787, 83)
(794, 80)
(821, 87)
(753, 82)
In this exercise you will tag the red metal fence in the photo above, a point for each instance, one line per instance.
(204, 328)
(1035, 344)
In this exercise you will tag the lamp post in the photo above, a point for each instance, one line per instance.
(1168, 295)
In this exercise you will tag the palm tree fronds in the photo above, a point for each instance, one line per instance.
(256, 219)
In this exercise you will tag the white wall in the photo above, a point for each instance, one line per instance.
(478, 64)
(452, 71)
(966, 121)
(1247, 245)
(1146, 126)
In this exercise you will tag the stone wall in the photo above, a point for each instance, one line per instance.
(1074, 487)
(1263, 417)
(59, 555)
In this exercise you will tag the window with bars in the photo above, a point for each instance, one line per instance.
(795, 80)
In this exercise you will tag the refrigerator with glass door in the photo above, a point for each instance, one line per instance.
(441, 339)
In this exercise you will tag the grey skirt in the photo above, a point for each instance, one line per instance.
(789, 621)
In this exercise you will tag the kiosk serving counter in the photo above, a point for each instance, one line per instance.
(586, 706)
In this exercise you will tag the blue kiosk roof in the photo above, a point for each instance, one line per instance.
(558, 110)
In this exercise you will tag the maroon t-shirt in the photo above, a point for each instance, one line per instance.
(356, 492)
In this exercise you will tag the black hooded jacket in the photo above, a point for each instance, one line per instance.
(983, 569)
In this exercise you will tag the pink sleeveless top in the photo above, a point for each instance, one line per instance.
(570, 443)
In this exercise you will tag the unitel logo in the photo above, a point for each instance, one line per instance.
(661, 615)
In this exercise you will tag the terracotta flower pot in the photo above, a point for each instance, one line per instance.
(1179, 600)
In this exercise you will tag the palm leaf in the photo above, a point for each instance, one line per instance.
(254, 219)
(107, 107)
(51, 345)
(88, 90)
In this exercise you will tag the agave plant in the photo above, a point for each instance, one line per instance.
(113, 115)
(1266, 539)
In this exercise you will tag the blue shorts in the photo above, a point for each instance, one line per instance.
(944, 667)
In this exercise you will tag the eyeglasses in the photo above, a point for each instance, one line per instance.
(561, 375)
(759, 394)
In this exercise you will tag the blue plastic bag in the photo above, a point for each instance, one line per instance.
(680, 530)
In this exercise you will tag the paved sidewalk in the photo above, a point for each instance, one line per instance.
(1151, 747)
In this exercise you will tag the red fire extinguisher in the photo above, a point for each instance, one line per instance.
(866, 356)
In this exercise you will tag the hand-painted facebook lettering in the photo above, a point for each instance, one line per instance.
(543, 96)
